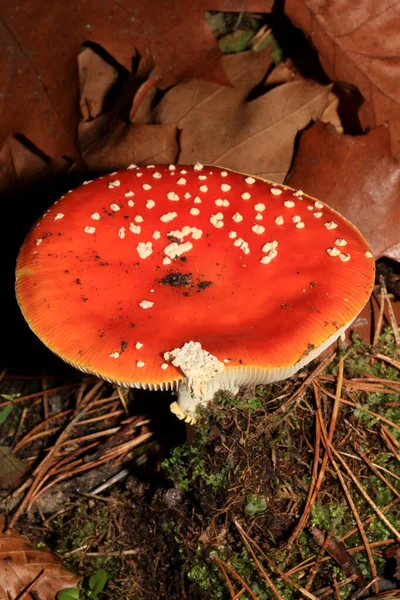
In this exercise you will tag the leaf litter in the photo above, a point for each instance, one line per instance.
(264, 470)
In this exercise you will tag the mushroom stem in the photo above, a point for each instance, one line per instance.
(189, 399)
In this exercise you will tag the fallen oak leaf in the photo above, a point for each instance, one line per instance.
(96, 79)
(358, 43)
(21, 564)
(219, 126)
(12, 469)
(357, 176)
(337, 550)
(20, 164)
(38, 72)
(110, 146)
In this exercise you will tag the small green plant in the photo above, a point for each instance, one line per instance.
(255, 505)
(90, 590)
(7, 409)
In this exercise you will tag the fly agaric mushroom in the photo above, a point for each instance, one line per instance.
(191, 279)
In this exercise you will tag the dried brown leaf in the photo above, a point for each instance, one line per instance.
(21, 563)
(96, 78)
(357, 176)
(359, 43)
(108, 147)
(19, 163)
(40, 42)
(12, 469)
(339, 553)
(284, 72)
(220, 127)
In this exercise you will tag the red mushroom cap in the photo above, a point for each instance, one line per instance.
(133, 265)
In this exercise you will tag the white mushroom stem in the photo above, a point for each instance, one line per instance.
(188, 401)
(203, 376)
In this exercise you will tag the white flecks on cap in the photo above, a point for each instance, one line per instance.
(179, 233)
(88, 181)
(131, 203)
(164, 366)
(144, 249)
(115, 207)
(344, 257)
(300, 225)
(250, 180)
(139, 364)
(289, 204)
(369, 254)
(217, 220)
(279, 220)
(244, 246)
(114, 184)
(225, 187)
(167, 217)
(172, 167)
(198, 366)
(333, 251)
(38, 241)
(121, 232)
(183, 171)
(173, 250)
(270, 246)
(198, 166)
(114, 355)
(270, 256)
(139, 174)
(318, 204)
(156, 235)
(146, 304)
(196, 233)
(187, 195)
(150, 166)
(222, 202)
(259, 207)
(259, 229)
(237, 217)
(296, 219)
(203, 188)
(138, 219)
(194, 212)
(197, 200)
(245, 196)
(129, 194)
(340, 242)
(150, 204)
(330, 225)
(132, 166)
(181, 181)
(224, 174)
(310, 207)
(202, 177)
(298, 193)
(89, 229)
(232, 235)
(134, 228)
(138, 345)
(166, 260)
(157, 175)
(59, 216)
(275, 191)
(146, 187)
(172, 196)
(317, 215)
(259, 217)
